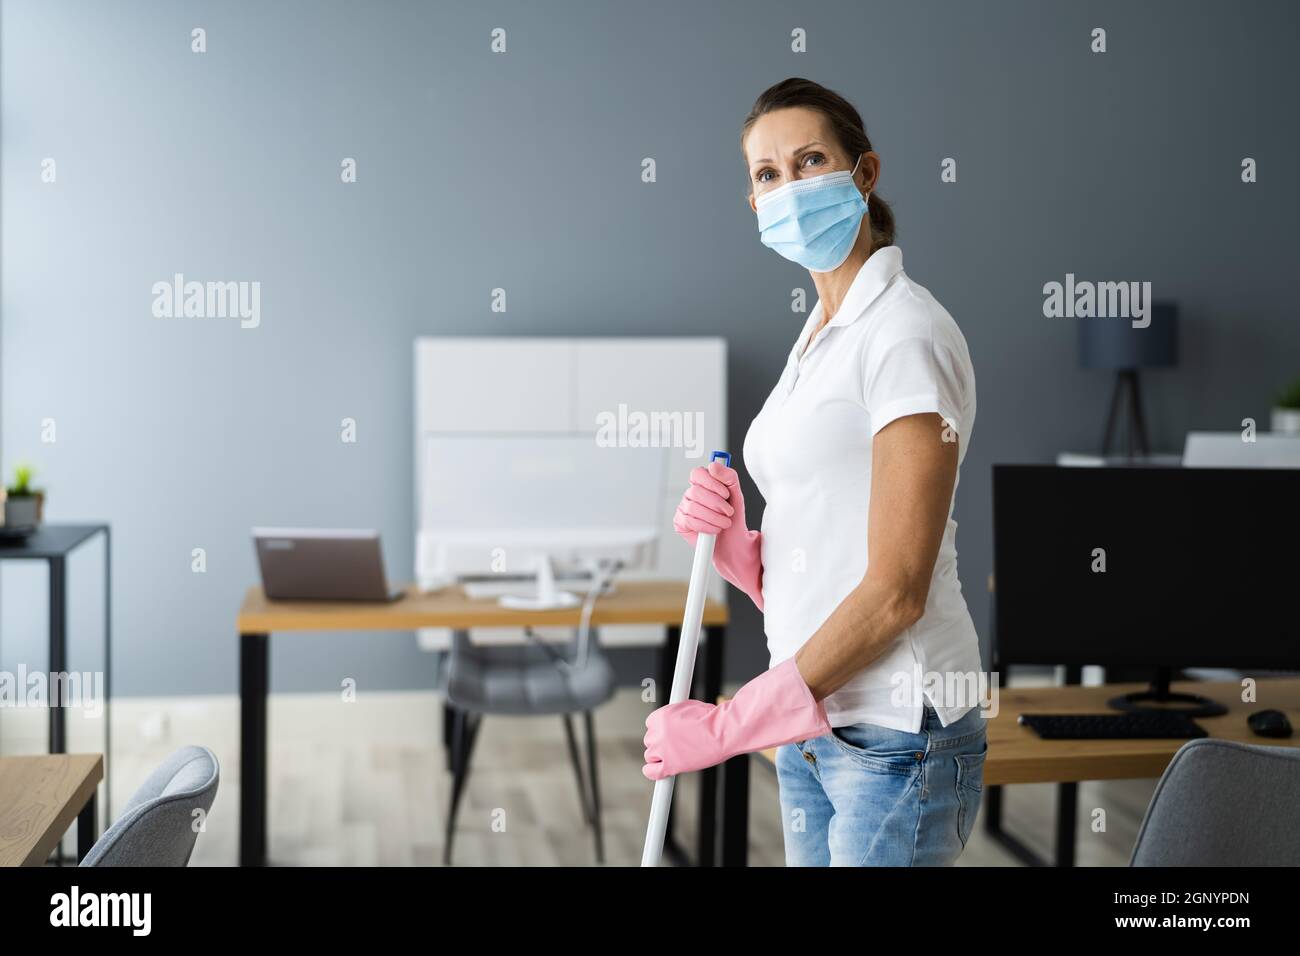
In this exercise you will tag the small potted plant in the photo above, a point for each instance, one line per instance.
(23, 503)
(1286, 411)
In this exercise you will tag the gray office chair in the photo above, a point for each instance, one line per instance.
(1221, 803)
(158, 826)
(536, 679)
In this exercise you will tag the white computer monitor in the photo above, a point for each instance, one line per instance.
(513, 504)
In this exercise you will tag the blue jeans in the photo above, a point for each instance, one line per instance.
(869, 796)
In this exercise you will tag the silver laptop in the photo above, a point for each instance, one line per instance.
(1230, 450)
(322, 564)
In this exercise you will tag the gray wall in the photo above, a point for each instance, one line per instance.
(522, 171)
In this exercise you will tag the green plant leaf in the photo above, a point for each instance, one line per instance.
(1290, 397)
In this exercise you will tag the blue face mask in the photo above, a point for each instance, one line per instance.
(813, 222)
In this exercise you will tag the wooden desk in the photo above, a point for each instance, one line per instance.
(40, 796)
(633, 602)
(1018, 755)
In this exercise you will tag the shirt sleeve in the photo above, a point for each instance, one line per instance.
(912, 376)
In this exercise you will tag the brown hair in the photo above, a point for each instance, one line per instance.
(847, 125)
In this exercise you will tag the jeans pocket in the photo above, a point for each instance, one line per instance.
(880, 749)
(970, 790)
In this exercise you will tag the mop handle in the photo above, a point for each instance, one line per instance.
(683, 672)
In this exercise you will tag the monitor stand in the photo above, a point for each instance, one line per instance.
(1158, 696)
(548, 596)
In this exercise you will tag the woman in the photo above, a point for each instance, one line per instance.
(856, 453)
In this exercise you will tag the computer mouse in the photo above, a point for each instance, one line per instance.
(1269, 723)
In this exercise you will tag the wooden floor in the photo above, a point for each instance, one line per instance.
(364, 783)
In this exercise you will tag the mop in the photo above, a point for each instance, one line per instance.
(683, 671)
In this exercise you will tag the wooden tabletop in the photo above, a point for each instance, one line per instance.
(633, 602)
(40, 797)
(1018, 755)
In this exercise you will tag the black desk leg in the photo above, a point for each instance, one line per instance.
(1067, 805)
(993, 810)
(86, 827)
(667, 664)
(707, 837)
(735, 811)
(58, 654)
(1008, 841)
(254, 684)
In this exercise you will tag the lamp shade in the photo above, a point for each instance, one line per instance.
(1114, 343)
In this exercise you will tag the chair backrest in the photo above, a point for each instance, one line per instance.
(1222, 803)
(160, 825)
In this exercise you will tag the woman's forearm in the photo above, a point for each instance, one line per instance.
(912, 483)
(861, 629)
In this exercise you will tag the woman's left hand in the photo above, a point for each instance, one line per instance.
(774, 708)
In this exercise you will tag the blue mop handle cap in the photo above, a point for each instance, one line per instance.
(724, 455)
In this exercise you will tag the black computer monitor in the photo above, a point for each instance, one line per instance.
(1201, 568)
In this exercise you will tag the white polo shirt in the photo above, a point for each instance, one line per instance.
(890, 351)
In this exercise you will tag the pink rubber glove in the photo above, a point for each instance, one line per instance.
(713, 504)
(773, 709)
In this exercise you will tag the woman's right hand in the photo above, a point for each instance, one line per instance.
(713, 504)
(705, 508)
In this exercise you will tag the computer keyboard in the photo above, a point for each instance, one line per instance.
(1144, 725)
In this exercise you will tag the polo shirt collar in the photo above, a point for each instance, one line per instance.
(881, 266)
